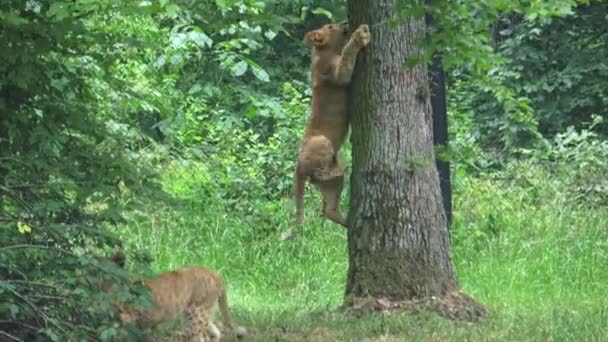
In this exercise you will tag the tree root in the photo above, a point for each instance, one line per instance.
(455, 305)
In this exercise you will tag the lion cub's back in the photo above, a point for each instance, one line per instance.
(175, 291)
(206, 285)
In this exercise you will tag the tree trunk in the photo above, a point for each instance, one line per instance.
(440, 122)
(440, 130)
(398, 240)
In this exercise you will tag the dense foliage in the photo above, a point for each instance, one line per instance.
(116, 113)
(553, 67)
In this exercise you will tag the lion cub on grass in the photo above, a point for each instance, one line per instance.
(333, 61)
(192, 291)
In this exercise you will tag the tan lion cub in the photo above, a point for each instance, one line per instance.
(333, 61)
(192, 291)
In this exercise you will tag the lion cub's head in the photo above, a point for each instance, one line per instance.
(331, 37)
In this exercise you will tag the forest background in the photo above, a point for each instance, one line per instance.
(170, 128)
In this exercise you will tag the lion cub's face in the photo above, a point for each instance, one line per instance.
(331, 36)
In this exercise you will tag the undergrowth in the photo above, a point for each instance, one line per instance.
(532, 252)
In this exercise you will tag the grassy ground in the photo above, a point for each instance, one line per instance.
(538, 261)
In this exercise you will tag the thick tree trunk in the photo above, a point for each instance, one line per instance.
(399, 246)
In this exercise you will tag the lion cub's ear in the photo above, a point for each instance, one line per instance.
(315, 38)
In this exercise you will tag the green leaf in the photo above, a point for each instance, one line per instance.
(14, 309)
(51, 334)
(323, 11)
(260, 73)
(13, 19)
(270, 34)
(108, 334)
(201, 39)
(58, 11)
(239, 68)
(221, 3)
(178, 40)
(172, 10)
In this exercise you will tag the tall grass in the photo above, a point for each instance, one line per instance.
(534, 256)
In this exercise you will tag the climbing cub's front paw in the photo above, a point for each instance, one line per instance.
(362, 36)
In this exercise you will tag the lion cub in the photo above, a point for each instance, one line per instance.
(192, 291)
(333, 61)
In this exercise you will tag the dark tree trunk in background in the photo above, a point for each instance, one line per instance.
(440, 124)
(4, 146)
(440, 130)
(398, 240)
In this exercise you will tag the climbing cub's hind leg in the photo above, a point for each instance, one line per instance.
(316, 160)
(331, 189)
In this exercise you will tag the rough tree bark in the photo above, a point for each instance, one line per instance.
(398, 239)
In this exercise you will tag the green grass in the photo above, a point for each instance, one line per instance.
(537, 260)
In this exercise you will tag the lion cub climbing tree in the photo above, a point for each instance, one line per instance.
(333, 61)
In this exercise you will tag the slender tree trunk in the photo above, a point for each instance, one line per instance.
(398, 240)
(440, 130)
(440, 122)
(4, 148)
